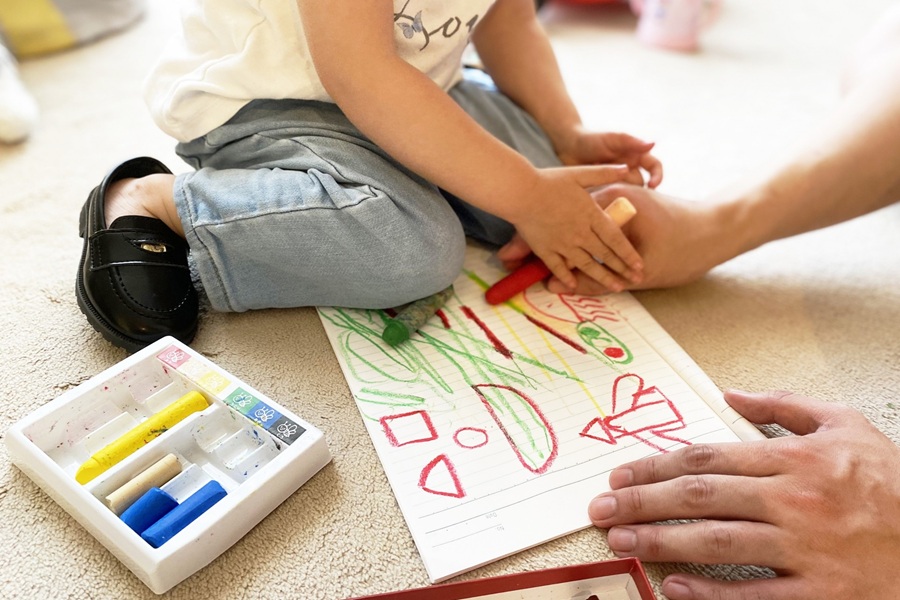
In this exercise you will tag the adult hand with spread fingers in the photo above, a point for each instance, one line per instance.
(821, 508)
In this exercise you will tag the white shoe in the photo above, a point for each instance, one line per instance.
(18, 109)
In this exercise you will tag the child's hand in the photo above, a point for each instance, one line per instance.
(564, 226)
(514, 253)
(678, 240)
(585, 148)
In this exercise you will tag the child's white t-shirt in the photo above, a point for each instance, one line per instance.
(230, 52)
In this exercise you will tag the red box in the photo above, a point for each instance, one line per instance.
(620, 579)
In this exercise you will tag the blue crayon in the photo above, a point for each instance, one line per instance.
(184, 514)
(412, 317)
(153, 505)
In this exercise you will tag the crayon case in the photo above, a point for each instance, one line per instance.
(203, 474)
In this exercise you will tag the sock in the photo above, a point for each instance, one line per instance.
(18, 109)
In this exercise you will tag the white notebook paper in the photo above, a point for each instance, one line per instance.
(496, 425)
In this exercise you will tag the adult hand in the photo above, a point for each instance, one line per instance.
(821, 508)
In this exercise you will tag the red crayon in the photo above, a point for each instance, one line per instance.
(521, 279)
(620, 210)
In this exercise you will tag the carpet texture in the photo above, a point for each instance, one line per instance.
(817, 313)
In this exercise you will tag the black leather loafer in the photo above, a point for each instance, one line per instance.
(134, 284)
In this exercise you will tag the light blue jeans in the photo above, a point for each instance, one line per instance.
(290, 205)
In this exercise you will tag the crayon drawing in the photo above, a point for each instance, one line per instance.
(491, 415)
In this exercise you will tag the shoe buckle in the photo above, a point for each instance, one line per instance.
(151, 247)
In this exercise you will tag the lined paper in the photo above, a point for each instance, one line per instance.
(496, 425)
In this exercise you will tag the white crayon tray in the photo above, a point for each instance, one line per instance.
(257, 450)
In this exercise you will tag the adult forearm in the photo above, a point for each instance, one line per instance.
(849, 167)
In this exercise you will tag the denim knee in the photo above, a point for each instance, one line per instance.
(426, 268)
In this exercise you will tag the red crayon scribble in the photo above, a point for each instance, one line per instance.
(569, 308)
(495, 341)
(613, 352)
(445, 321)
(449, 470)
(424, 423)
(663, 433)
(589, 308)
(477, 431)
(543, 424)
(648, 412)
(557, 334)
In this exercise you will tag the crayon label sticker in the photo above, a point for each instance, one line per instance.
(264, 414)
(214, 382)
(173, 356)
(286, 430)
(241, 400)
(194, 370)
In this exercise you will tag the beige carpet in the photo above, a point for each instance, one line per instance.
(818, 313)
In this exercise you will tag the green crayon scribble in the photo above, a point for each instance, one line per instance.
(526, 420)
(599, 338)
(470, 357)
(515, 414)
(391, 398)
(477, 279)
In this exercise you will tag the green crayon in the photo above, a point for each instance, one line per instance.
(413, 316)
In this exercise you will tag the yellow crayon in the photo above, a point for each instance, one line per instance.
(140, 435)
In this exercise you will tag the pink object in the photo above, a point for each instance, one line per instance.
(674, 24)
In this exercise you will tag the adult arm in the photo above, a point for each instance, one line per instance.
(848, 167)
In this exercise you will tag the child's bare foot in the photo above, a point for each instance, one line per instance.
(149, 196)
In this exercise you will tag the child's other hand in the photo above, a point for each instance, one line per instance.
(583, 147)
(562, 224)
(514, 253)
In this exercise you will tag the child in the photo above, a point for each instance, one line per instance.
(342, 158)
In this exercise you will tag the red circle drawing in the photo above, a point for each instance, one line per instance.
(477, 431)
